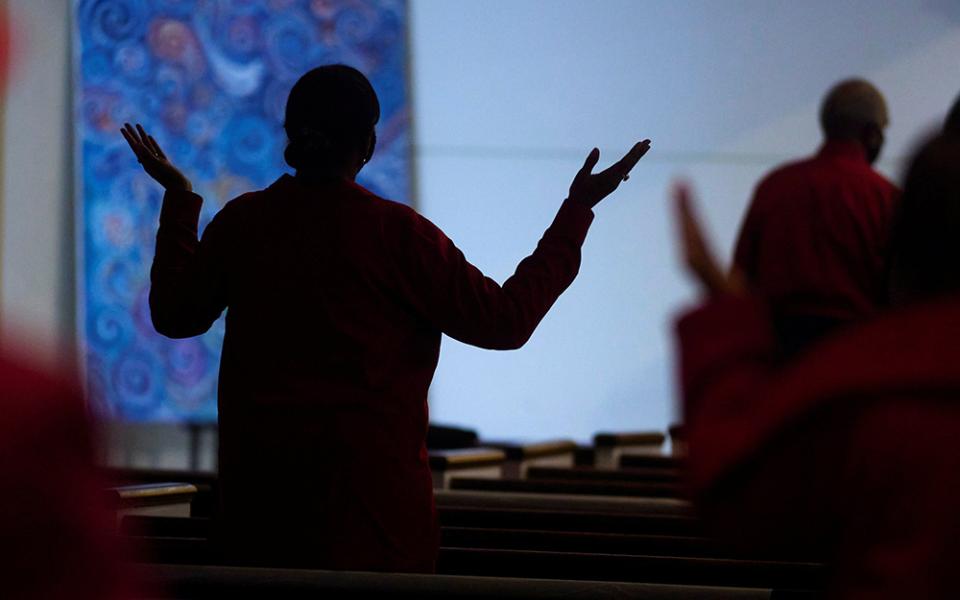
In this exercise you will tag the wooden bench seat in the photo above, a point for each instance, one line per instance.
(640, 569)
(507, 538)
(213, 582)
(496, 562)
(608, 446)
(158, 499)
(578, 541)
(638, 475)
(522, 456)
(555, 486)
(204, 501)
(476, 463)
(564, 502)
(629, 460)
(147, 528)
(676, 524)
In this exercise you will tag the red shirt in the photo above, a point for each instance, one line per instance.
(336, 303)
(815, 237)
(847, 453)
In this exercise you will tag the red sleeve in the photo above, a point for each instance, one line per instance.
(456, 298)
(727, 361)
(187, 289)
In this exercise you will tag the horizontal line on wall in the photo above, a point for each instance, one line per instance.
(667, 156)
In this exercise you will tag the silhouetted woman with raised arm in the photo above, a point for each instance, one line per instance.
(336, 301)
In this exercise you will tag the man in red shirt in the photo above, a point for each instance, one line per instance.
(846, 453)
(815, 236)
(336, 301)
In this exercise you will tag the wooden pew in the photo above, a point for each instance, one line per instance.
(561, 486)
(630, 568)
(629, 460)
(473, 518)
(565, 520)
(536, 532)
(191, 582)
(152, 529)
(474, 536)
(204, 501)
(648, 535)
(153, 499)
(522, 456)
(561, 520)
(581, 542)
(630, 474)
(608, 446)
(497, 562)
(445, 437)
(578, 502)
(476, 463)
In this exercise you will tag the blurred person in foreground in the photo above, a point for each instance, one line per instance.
(336, 300)
(56, 537)
(849, 452)
(815, 237)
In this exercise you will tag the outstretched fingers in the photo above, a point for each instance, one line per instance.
(621, 169)
(590, 163)
(143, 144)
(149, 143)
(129, 138)
(156, 148)
(135, 142)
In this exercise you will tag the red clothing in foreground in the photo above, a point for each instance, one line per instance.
(815, 236)
(55, 526)
(848, 453)
(336, 304)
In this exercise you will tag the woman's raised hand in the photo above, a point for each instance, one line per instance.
(154, 161)
(697, 255)
(590, 188)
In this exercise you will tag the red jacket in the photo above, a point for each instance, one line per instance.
(815, 237)
(847, 453)
(336, 300)
(55, 529)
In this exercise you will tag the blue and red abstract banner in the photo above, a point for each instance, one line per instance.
(209, 79)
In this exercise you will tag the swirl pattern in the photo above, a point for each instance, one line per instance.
(209, 78)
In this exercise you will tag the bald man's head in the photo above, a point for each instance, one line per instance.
(855, 110)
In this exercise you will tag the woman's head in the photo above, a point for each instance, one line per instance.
(926, 239)
(331, 115)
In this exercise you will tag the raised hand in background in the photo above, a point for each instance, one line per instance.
(154, 161)
(697, 255)
(590, 188)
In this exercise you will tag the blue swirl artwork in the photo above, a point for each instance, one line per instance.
(209, 79)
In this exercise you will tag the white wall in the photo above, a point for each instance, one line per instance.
(509, 97)
(36, 291)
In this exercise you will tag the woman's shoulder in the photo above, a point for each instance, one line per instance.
(391, 212)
